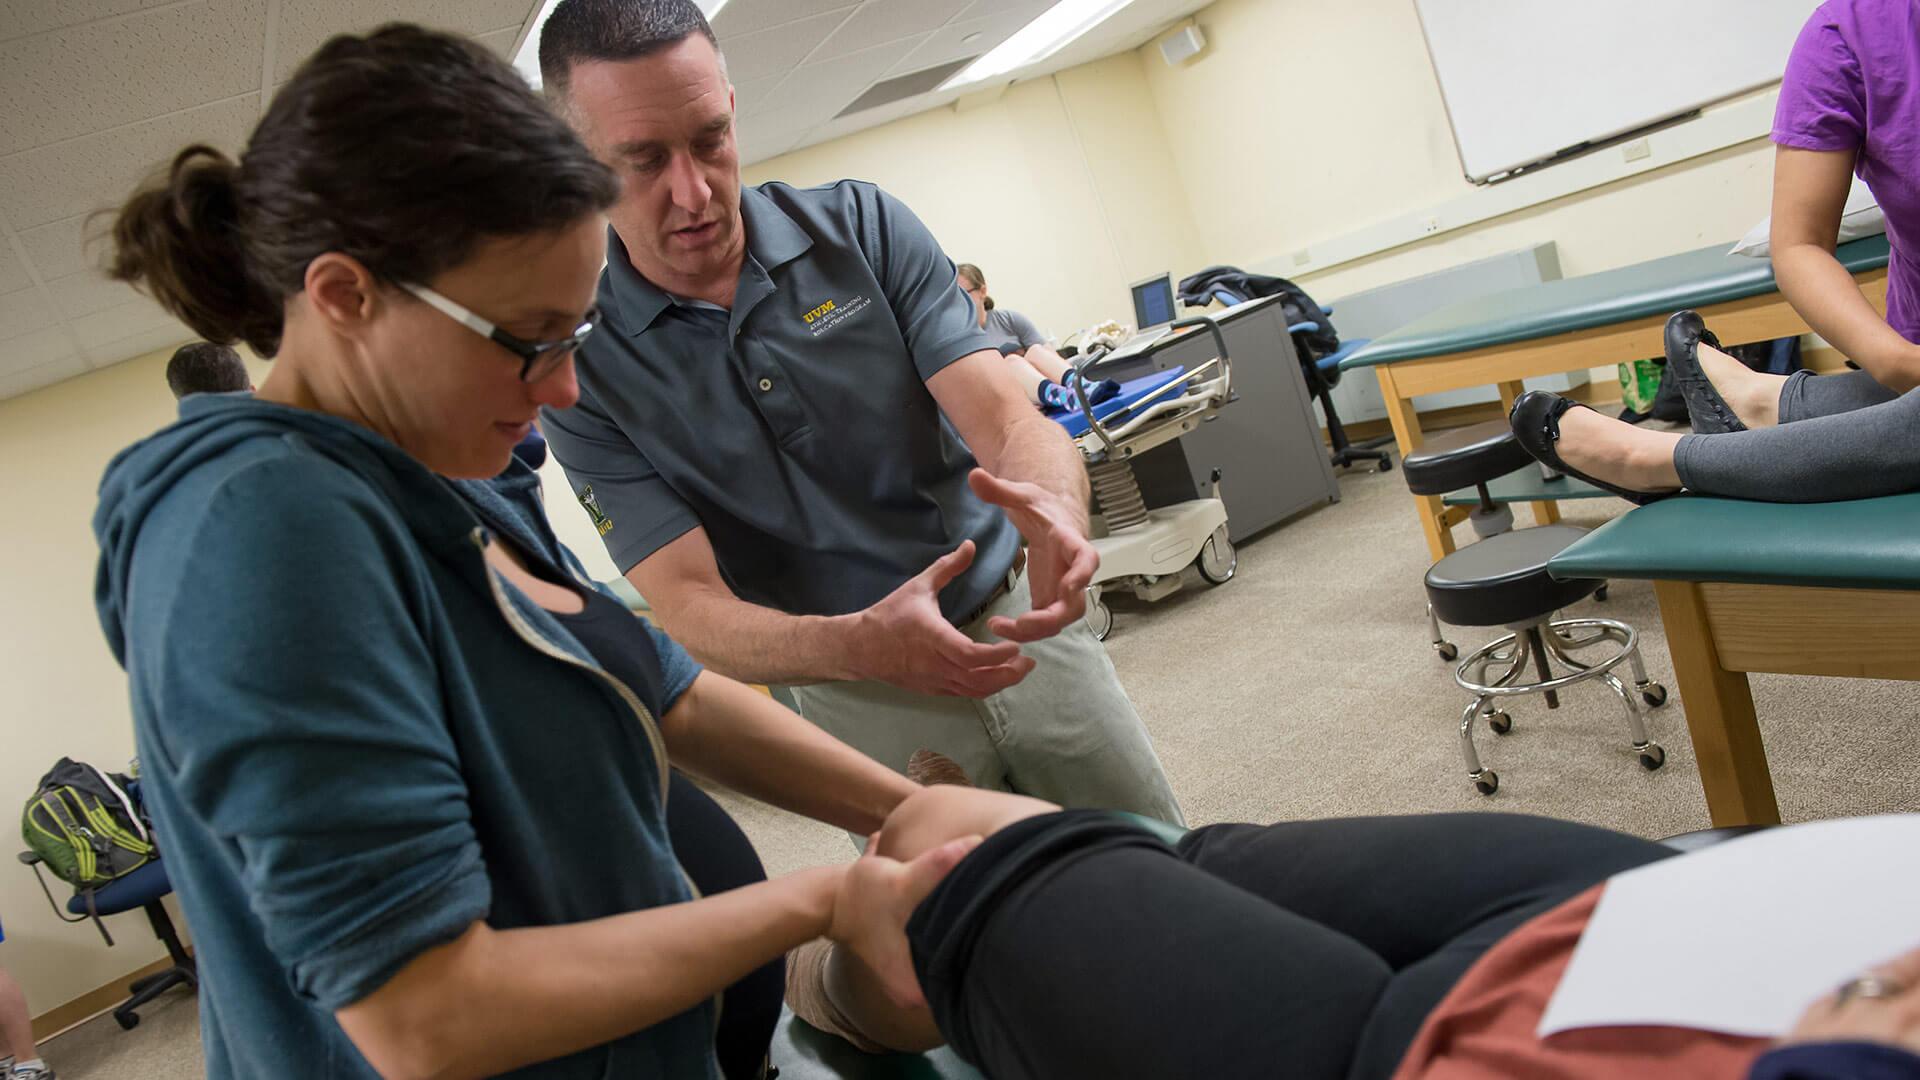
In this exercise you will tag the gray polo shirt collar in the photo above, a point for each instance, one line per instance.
(773, 239)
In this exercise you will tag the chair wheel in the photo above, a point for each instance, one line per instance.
(1500, 722)
(1487, 782)
(1448, 651)
(1600, 594)
(127, 1021)
(1654, 694)
(1652, 757)
(1386, 465)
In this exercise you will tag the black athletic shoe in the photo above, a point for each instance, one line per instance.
(1536, 424)
(1707, 410)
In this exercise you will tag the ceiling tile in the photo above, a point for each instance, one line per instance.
(824, 89)
(84, 174)
(880, 21)
(19, 18)
(125, 320)
(33, 378)
(160, 62)
(306, 24)
(59, 249)
(23, 311)
(777, 51)
(13, 273)
(951, 42)
(771, 134)
(140, 344)
(501, 41)
(80, 295)
(981, 8)
(756, 96)
(35, 350)
(747, 16)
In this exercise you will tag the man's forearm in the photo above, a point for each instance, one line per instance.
(727, 732)
(1037, 450)
(1829, 298)
(755, 644)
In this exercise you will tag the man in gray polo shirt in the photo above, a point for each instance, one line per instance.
(773, 438)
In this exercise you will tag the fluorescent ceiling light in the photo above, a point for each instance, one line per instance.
(527, 60)
(1047, 34)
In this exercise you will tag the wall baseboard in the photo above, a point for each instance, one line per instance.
(101, 999)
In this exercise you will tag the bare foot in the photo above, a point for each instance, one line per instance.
(1619, 453)
(1754, 396)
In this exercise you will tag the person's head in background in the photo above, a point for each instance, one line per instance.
(643, 83)
(974, 284)
(411, 231)
(201, 367)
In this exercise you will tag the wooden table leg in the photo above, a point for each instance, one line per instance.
(1406, 432)
(1545, 511)
(1720, 717)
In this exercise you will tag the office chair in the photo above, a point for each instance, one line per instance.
(1322, 375)
(144, 889)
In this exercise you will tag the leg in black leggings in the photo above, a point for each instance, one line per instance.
(1070, 944)
(717, 857)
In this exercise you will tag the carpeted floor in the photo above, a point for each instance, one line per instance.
(1305, 688)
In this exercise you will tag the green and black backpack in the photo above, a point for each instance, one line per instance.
(86, 828)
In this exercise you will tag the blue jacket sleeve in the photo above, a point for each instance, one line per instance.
(294, 694)
(1836, 1061)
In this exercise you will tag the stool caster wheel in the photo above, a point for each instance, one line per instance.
(1654, 695)
(1386, 465)
(127, 1021)
(1600, 594)
(1487, 782)
(1448, 651)
(1652, 757)
(1500, 722)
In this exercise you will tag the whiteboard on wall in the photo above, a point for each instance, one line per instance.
(1527, 80)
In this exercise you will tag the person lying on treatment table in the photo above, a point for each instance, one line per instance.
(1846, 106)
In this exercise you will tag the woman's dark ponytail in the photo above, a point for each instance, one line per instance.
(179, 238)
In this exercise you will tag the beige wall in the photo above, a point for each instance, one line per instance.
(62, 693)
(1302, 122)
(1061, 190)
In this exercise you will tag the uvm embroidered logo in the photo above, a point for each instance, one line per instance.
(832, 313)
(601, 522)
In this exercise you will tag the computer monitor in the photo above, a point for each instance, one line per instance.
(1153, 301)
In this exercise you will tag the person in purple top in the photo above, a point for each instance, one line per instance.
(1849, 104)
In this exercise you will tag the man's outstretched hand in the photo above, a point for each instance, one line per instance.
(1061, 561)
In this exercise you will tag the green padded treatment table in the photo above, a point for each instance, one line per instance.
(1791, 588)
(804, 1052)
(1577, 323)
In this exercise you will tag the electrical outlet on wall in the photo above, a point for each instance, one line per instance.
(1430, 225)
(1637, 150)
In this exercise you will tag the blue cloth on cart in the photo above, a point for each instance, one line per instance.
(1131, 391)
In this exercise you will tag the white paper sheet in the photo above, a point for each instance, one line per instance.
(1743, 936)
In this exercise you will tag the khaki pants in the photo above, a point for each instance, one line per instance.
(1066, 733)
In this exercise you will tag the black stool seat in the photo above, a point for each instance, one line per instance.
(1462, 457)
(1503, 579)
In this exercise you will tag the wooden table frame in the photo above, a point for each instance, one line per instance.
(1756, 318)
(1718, 632)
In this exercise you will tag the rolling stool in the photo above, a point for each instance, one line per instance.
(1503, 581)
(1466, 457)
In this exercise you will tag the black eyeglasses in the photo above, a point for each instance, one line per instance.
(538, 359)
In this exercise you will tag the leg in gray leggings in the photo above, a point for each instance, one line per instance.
(1840, 437)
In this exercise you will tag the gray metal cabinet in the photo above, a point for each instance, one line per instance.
(1265, 446)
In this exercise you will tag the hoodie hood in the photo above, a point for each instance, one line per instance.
(213, 426)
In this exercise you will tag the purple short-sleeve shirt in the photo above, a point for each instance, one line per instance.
(1853, 83)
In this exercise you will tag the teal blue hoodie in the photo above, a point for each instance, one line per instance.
(356, 740)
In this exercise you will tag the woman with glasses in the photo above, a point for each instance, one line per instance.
(411, 768)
